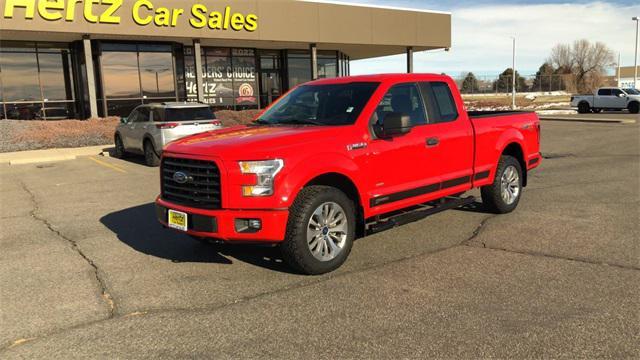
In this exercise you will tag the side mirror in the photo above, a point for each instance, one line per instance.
(123, 120)
(394, 124)
(622, 95)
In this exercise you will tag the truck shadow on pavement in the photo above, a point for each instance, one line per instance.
(138, 228)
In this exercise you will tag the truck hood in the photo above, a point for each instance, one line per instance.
(250, 142)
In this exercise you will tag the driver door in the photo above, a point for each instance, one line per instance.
(403, 168)
(619, 99)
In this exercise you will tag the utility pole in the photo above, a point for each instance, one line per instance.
(635, 63)
(513, 76)
(619, 70)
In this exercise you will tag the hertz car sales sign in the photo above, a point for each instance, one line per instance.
(144, 13)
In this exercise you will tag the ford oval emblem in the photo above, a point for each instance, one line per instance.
(180, 177)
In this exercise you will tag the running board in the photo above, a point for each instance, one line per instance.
(422, 212)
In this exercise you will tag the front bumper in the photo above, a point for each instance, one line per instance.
(220, 224)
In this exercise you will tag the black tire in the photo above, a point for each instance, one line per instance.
(150, 157)
(119, 152)
(584, 107)
(634, 107)
(492, 197)
(295, 249)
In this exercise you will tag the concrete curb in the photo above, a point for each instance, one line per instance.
(587, 120)
(50, 155)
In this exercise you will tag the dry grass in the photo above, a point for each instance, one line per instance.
(19, 135)
(500, 102)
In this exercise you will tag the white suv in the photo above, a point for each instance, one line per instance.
(150, 127)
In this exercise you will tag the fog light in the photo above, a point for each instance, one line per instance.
(248, 225)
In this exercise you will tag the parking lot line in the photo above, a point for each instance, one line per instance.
(105, 164)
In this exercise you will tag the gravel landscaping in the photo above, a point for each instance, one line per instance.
(20, 135)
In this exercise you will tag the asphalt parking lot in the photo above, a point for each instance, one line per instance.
(85, 271)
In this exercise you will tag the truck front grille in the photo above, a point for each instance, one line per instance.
(201, 188)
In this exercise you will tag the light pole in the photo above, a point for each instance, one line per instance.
(513, 75)
(635, 63)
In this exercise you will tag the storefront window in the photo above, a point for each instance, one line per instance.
(35, 81)
(229, 77)
(270, 77)
(327, 64)
(20, 76)
(245, 81)
(120, 74)
(298, 67)
(156, 75)
(136, 73)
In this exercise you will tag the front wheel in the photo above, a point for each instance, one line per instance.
(503, 195)
(120, 151)
(320, 230)
(634, 107)
(150, 157)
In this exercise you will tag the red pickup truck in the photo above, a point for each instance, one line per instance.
(335, 159)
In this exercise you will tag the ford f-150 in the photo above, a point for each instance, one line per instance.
(335, 159)
(608, 99)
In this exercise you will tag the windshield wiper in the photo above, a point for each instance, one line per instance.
(300, 122)
(261, 122)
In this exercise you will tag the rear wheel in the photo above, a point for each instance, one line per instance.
(634, 107)
(503, 195)
(150, 156)
(320, 230)
(119, 152)
(584, 108)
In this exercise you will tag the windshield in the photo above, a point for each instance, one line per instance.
(188, 114)
(335, 104)
(632, 91)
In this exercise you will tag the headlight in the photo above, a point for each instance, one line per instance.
(265, 172)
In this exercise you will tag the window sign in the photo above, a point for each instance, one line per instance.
(229, 76)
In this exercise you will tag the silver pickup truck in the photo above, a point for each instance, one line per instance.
(608, 98)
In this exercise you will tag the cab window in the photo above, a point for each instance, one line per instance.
(616, 92)
(439, 100)
(143, 115)
(402, 98)
(604, 92)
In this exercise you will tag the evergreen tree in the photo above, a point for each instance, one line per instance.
(470, 84)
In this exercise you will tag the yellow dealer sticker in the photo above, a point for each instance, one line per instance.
(177, 220)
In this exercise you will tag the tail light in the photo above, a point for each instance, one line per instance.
(167, 125)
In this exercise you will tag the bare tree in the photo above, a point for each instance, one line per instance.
(585, 61)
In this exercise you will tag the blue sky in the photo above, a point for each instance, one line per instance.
(481, 32)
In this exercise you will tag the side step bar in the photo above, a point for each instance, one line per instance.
(382, 224)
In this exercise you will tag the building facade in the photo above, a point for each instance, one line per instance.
(97, 58)
(626, 77)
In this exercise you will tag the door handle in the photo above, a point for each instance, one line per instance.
(434, 141)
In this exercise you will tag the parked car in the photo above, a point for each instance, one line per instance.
(150, 127)
(337, 158)
(608, 98)
(53, 113)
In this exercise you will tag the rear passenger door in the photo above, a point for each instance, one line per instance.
(451, 137)
(604, 99)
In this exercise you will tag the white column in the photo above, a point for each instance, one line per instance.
(91, 77)
(197, 51)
